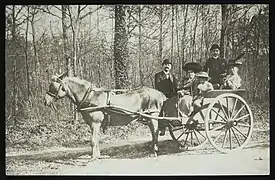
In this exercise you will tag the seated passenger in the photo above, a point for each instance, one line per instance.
(189, 82)
(232, 80)
(203, 87)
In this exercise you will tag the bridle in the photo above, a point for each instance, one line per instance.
(55, 96)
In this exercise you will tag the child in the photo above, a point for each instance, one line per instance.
(232, 80)
(203, 87)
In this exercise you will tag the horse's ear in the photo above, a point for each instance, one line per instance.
(54, 78)
(63, 75)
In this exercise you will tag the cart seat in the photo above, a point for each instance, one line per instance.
(215, 93)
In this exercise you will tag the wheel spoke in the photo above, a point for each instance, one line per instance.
(236, 137)
(177, 128)
(230, 142)
(238, 111)
(238, 119)
(227, 107)
(224, 137)
(219, 114)
(201, 134)
(180, 135)
(244, 125)
(223, 109)
(216, 128)
(191, 138)
(186, 139)
(235, 103)
(197, 137)
(218, 136)
(240, 132)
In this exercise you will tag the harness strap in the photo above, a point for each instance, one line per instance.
(84, 98)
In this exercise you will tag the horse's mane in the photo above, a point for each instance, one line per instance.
(83, 82)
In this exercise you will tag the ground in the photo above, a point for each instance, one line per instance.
(132, 156)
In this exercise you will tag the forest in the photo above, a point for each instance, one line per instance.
(119, 46)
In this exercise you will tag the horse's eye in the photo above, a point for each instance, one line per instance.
(63, 89)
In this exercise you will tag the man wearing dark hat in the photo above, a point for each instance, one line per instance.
(215, 66)
(165, 81)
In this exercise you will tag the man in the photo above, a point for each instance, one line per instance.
(215, 66)
(166, 83)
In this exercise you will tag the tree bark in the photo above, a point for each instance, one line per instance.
(121, 59)
(194, 36)
(139, 46)
(223, 29)
(160, 32)
(183, 44)
(65, 40)
(26, 57)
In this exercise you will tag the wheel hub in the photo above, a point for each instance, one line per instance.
(230, 123)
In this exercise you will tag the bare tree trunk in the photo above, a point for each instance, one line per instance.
(194, 36)
(36, 65)
(121, 48)
(65, 40)
(14, 69)
(183, 44)
(178, 47)
(160, 32)
(223, 29)
(172, 43)
(26, 57)
(139, 46)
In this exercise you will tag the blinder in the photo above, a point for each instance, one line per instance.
(55, 96)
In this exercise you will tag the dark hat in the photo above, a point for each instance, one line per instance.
(233, 62)
(203, 75)
(214, 46)
(196, 67)
(166, 61)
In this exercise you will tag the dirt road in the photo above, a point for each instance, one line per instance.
(134, 159)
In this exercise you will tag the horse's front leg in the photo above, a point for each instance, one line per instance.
(153, 125)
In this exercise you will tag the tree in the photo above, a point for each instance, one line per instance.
(121, 61)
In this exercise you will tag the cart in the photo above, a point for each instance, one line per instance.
(225, 120)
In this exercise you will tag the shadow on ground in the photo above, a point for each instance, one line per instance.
(141, 150)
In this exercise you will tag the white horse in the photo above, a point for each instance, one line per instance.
(85, 94)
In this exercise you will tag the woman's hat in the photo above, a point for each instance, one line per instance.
(166, 61)
(196, 67)
(233, 62)
(203, 75)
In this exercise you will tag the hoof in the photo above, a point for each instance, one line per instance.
(155, 154)
(104, 157)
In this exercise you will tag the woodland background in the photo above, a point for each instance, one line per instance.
(119, 46)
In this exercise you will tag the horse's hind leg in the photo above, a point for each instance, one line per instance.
(153, 125)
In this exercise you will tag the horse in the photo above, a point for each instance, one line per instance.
(85, 94)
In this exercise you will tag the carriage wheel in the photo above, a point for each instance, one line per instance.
(228, 122)
(190, 135)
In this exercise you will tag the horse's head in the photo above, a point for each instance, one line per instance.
(57, 89)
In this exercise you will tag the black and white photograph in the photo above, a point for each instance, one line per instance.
(137, 89)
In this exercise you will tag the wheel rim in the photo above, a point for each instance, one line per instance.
(191, 135)
(228, 122)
